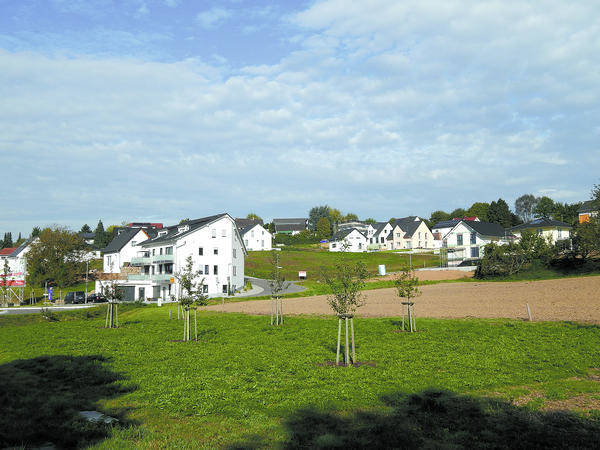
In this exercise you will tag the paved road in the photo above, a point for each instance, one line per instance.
(36, 310)
(264, 284)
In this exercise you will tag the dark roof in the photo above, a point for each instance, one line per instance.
(244, 230)
(23, 246)
(540, 223)
(242, 223)
(486, 228)
(343, 233)
(121, 238)
(379, 226)
(289, 227)
(167, 234)
(290, 221)
(446, 223)
(588, 206)
(89, 235)
(409, 225)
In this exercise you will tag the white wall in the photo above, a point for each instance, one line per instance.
(461, 229)
(552, 234)
(257, 238)
(129, 250)
(355, 242)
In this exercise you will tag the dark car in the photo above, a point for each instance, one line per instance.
(96, 298)
(75, 297)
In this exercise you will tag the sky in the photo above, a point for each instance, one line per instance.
(158, 110)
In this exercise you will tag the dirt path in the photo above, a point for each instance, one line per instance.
(576, 299)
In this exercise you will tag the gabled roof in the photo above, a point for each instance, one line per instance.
(123, 236)
(289, 227)
(409, 225)
(486, 228)
(340, 235)
(8, 251)
(300, 220)
(379, 226)
(88, 236)
(244, 230)
(446, 223)
(589, 206)
(242, 223)
(539, 223)
(173, 232)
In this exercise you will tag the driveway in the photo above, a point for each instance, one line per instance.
(266, 290)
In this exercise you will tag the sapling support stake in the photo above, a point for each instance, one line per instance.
(352, 331)
(346, 349)
(271, 310)
(196, 323)
(337, 355)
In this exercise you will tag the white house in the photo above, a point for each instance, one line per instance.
(409, 233)
(348, 240)
(465, 241)
(123, 248)
(16, 263)
(214, 244)
(256, 237)
(552, 230)
(377, 234)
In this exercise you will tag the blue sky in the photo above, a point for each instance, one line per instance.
(164, 109)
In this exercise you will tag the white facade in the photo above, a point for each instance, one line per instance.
(258, 238)
(112, 262)
(353, 242)
(216, 249)
(17, 265)
(551, 234)
(377, 240)
(463, 242)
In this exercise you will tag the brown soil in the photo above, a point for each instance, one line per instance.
(431, 275)
(575, 299)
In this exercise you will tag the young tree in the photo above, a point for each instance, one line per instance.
(525, 206)
(406, 284)
(4, 283)
(323, 228)
(57, 256)
(192, 295)
(586, 238)
(345, 282)
(278, 285)
(113, 294)
(350, 217)
(439, 216)
(336, 217)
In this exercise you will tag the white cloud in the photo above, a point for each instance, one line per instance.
(212, 18)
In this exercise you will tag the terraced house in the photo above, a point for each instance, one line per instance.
(144, 263)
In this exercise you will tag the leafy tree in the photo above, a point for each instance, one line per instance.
(35, 232)
(525, 206)
(85, 228)
(192, 294)
(345, 282)
(253, 216)
(350, 217)
(567, 212)
(406, 284)
(458, 213)
(500, 213)
(315, 214)
(100, 236)
(370, 220)
(439, 216)
(323, 228)
(336, 217)
(596, 195)
(479, 209)
(57, 256)
(586, 238)
(114, 294)
(544, 208)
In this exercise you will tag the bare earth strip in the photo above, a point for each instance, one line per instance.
(576, 299)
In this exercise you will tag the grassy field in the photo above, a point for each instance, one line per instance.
(246, 384)
(311, 259)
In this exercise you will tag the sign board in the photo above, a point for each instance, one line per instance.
(302, 274)
(12, 279)
(50, 294)
(172, 280)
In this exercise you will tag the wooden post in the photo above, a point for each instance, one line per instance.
(276, 311)
(346, 348)
(337, 355)
(177, 311)
(412, 307)
(281, 309)
(402, 317)
(529, 312)
(117, 314)
(271, 310)
(352, 331)
(410, 326)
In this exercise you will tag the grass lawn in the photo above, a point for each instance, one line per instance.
(247, 384)
(311, 259)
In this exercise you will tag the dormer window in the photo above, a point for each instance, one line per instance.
(162, 233)
(183, 229)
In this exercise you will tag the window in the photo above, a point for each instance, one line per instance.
(397, 235)
(559, 232)
(201, 251)
(215, 270)
(215, 251)
(262, 243)
(169, 251)
(235, 253)
(234, 271)
(223, 232)
(246, 242)
(169, 268)
(153, 251)
(419, 235)
(214, 232)
(459, 239)
(151, 270)
(224, 289)
(473, 238)
(474, 252)
(262, 232)
(108, 261)
(333, 245)
(160, 253)
(133, 243)
(252, 233)
(205, 289)
(206, 269)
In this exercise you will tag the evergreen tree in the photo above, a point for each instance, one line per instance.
(99, 235)
(35, 232)
(8, 242)
(85, 229)
(500, 213)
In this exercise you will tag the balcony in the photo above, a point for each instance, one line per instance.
(138, 277)
(162, 277)
(141, 261)
(161, 259)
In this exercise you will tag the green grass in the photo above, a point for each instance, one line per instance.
(311, 259)
(248, 383)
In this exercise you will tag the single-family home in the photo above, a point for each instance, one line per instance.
(587, 210)
(290, 226)
(255, 235)
(410, 233)
(377, 234)
(213, 243)
(16, 262)
(553, 230)
(465, 241)
(348, 240)
(442, 228)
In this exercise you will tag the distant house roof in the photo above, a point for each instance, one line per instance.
(290, 221)
(145, 225)
(446, 223)
(122, 237)
(242, 223)
(345, 232)
(7, 251)
(487, 228)
(244, 230)
(589, 206)
(87, 236)
(538, 223)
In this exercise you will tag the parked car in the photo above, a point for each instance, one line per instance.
(75, 297)
(96, 298)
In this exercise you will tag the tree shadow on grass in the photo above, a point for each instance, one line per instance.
(437, 419)
(40, 399)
